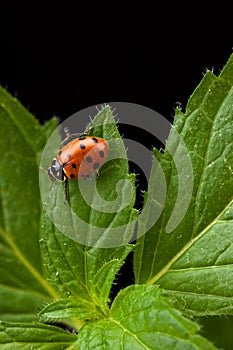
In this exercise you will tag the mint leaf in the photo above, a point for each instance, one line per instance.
(68, 308)
(101, 211)
(140, 318)
(193, 262)
(86, 272)
(34, 336)
(80, 271)
(23, 286)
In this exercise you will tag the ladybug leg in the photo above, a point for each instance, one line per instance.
(66, 191)
(79, 134)
(46, 172)
(88, 129)
(67, 132)
(69, 137)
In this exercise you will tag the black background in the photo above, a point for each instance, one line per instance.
(59, 60)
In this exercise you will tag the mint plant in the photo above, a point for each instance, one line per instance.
(55, 287)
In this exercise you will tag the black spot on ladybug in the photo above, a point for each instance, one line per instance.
(82, 146)
(82, 137)
(73, 165)
(88, 159)
(101, 153)
(95, 140)
(96, 166)
(72, 176)
(65, 164)
(60, 152)
(68, 155)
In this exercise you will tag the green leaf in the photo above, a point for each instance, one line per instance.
(86, 272)
(68, 308)
(80, 271)
(27, 336)
(22, 285)
(101, 211)
(193, 262)
(140, 318)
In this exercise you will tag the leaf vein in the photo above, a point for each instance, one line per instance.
(186, 247)
(205, 165)
(28, 265)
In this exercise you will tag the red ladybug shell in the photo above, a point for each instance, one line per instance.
(82, 156)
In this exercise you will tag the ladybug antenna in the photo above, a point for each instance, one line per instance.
(46, 171)
(67, 132)
(43, 169)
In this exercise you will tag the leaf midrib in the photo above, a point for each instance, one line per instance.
(186, 247)
(196, 294)
(125, 330)
(197, 194)
(134, 335)
(18, 254)
(17, 290)
(196, 268)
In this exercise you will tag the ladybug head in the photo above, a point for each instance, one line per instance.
(55, 171)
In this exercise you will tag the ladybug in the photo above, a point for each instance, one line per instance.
(80, 157)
